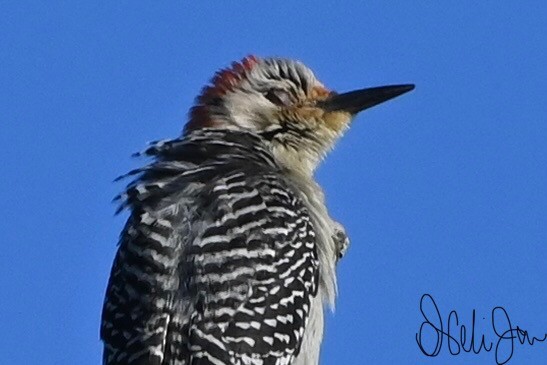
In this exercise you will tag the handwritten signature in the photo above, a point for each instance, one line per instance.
(501, 324)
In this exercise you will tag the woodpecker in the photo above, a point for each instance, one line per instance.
(229, 252)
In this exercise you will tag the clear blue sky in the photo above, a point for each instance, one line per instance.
(443, 191)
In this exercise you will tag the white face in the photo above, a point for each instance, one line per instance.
(277, 100)
(250, 110)
(270, 86)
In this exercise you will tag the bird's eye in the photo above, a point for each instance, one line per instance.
(278, 97)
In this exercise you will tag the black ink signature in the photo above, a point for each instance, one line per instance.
(501, 324)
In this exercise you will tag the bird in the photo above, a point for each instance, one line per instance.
(229, 253)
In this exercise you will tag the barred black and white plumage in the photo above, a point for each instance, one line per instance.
(229, 252)
(225, 274)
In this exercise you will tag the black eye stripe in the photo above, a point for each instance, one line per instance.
(278, 97)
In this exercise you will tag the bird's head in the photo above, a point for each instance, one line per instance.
(281, 101)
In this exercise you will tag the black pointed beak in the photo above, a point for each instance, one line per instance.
(355, 101)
